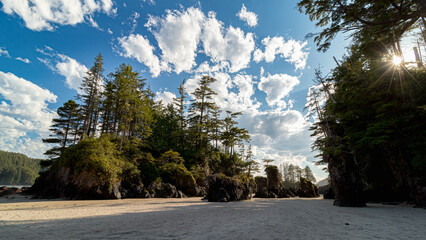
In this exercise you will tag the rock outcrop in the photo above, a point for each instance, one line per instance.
(163, 190)
(67, 184)
(226, 189)
(187, 184)
(4, 191)
(271, 186)
(326, 191)
(307, 189)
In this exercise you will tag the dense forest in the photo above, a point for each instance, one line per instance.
(18, 169)
(371, 129)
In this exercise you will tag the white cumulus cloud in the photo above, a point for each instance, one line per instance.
(249, 17)
(165, 97)
(45, 15)
(71, 69)
(24, 111)
(292, 51)
(181, 35)
(230, 45)
(178, 34)
(138, 47)
(277, 87)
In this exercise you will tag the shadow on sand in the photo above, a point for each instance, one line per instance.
(255, 219)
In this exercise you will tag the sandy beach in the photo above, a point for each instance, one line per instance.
(191, 218)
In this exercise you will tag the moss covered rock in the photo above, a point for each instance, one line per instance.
(173, 171)
(226, 189)
(92, 169)
(307, 189)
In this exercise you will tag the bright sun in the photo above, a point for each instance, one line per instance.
(396, 60)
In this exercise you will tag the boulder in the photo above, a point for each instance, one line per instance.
(67, 184)
(274, 179)
(4, 191)
(133, 191)
(226, 189)
(307, 189)
(178, 175)
(164, 190)
(326, 191)
(25, 190)
(188, 185)
(271, 187)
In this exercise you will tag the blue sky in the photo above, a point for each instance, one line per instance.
(255, 49)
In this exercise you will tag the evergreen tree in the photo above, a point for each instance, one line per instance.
(91, 96)
(307, 173)
(180, 104)
(231, 134)
(108, 107)
(200, 108)
(133, 108)
(251, 164)
(64, 128)
(381, 21)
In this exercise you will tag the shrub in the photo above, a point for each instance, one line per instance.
(170, 157)
(99, 156)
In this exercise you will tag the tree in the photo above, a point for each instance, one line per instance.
(215, 124)
(200, 108)
(251, 164)
(166, 131)
(133, 108)
(383, 20)
(307, 173)
(180, 104)
(64, 128)
(267, 161)
(108, 107)
(91, 96)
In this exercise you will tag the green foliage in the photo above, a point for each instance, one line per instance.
(170, 157)
(229, 164)
(99, 156)
(65, 129)
(148, 168)
(369, 21)
(91, 96)
(173, 172)
(18, 169)
(198, 173)
(128, 105)
(166, 131)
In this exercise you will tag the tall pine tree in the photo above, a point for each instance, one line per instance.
(91, 96)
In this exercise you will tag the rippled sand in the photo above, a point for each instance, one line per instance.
(191, 218)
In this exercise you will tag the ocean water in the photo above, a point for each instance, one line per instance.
(17, 186)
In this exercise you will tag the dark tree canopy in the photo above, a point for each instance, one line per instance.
(362, 18)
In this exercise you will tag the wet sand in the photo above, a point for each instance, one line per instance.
(191, 218)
